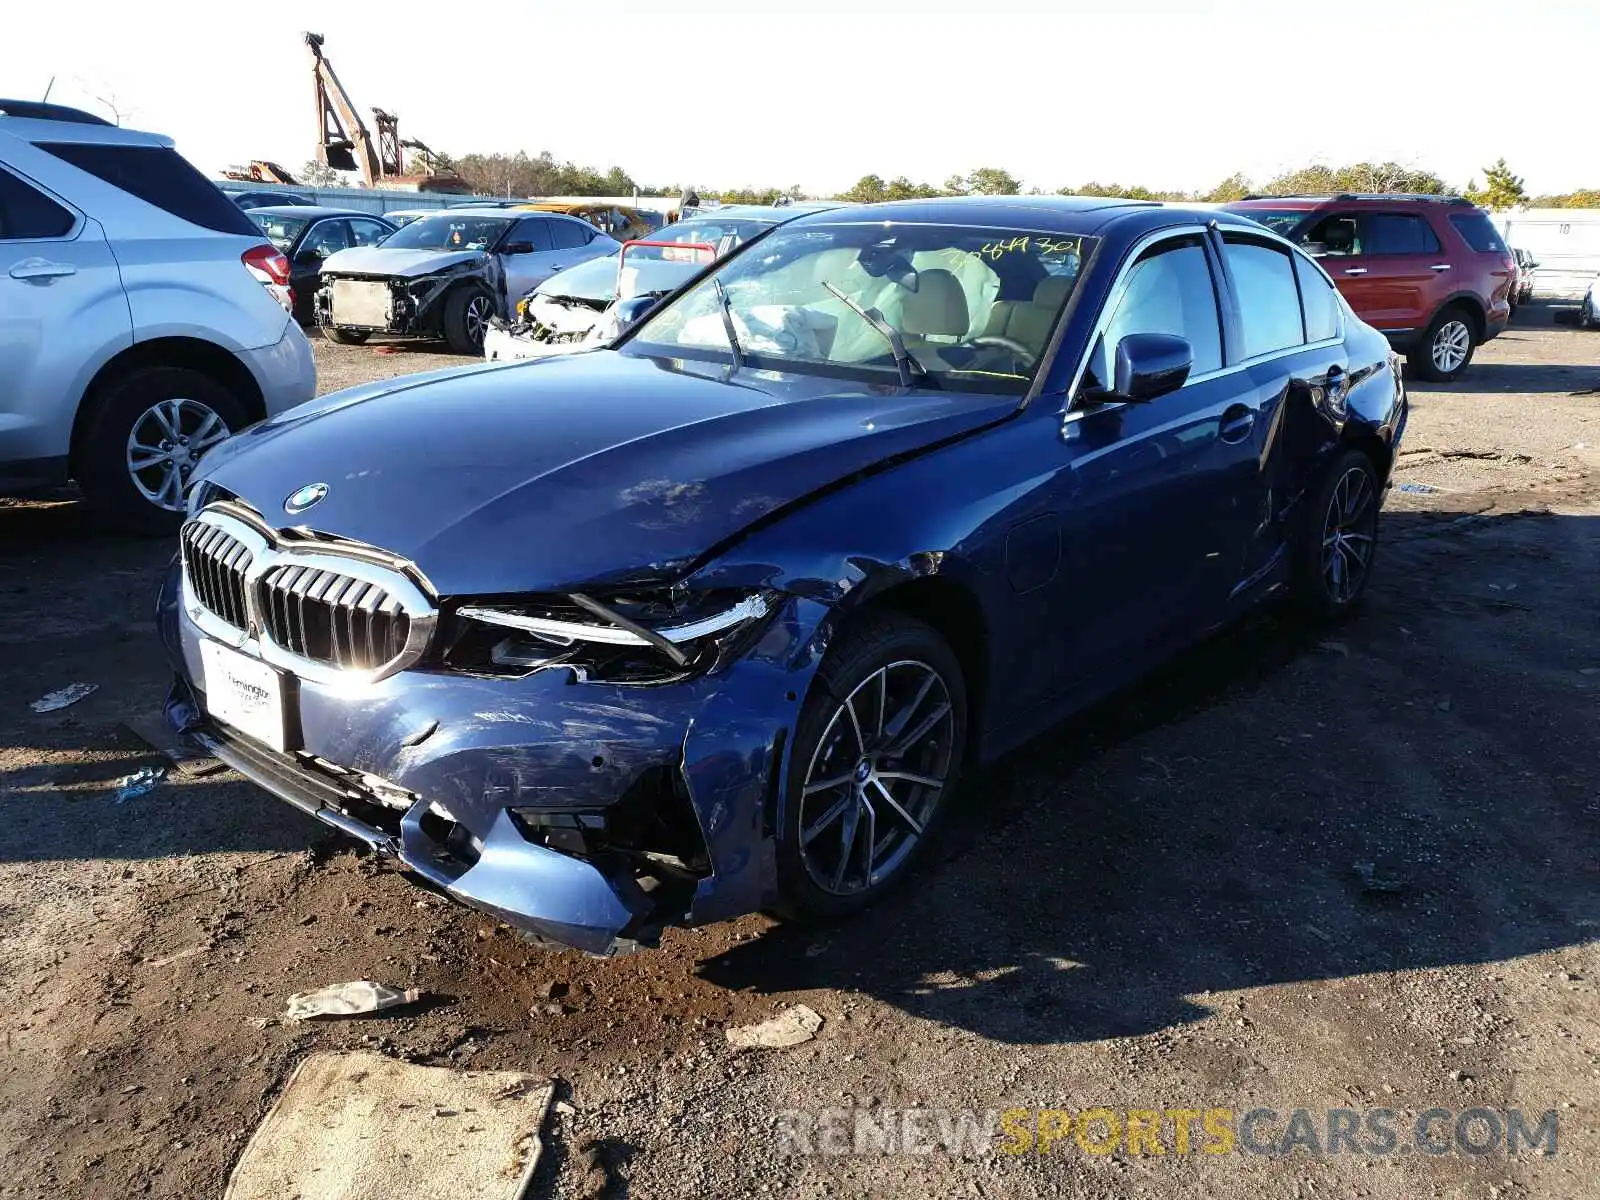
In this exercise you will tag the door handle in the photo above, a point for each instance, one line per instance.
(1356, 271)
(41, 268)
(1237, 422)
(1441, 266)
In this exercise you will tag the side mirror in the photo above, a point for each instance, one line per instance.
(629, 312)
(1150, 365)
(308, 258)
(518, 248)
(1315, 249)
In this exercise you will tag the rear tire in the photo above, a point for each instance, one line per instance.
(1446, 348)
(345, 337)
(166, 417)
(879, 747)
(466, 318)
(1338, 540)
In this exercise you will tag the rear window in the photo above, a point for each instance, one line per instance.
(161, 177)
(1479, 232)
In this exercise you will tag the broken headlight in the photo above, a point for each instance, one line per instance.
(638, 638)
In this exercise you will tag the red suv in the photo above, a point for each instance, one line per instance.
(1431, 272)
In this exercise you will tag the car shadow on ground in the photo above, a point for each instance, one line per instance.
(1517, 379)
(1414, 789)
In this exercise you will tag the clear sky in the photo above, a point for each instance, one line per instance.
(1165, 93)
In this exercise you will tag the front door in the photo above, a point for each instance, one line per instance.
(528, 256)
(1155, 496)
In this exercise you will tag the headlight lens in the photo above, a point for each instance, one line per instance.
(653, 637)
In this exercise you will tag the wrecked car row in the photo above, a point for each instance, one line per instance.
(445, 275)
(588, 305)
(712, 619)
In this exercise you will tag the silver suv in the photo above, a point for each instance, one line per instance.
(143, 317)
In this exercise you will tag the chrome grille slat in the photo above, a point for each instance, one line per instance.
(217, 564)
(323, 612)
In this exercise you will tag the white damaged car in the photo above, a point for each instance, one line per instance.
(445, 275)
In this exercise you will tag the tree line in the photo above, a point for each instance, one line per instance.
(522, 174)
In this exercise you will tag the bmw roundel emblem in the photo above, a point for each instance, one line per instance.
(299, 501)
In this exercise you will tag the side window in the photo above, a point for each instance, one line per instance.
(1319, 300)
(1479, 232)
(327, 237)
(1338, 235)
(1169, 290)
(569, 235)
(161, 177)
(367, 233)
(1269, 301)
(534, 231)
(26, 212)
(1397, 233)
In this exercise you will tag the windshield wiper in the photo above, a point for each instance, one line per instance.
(727, 323)
(902, 357)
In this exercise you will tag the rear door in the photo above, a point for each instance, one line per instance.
(62, 314)
(1410, 271)
(1293, 360)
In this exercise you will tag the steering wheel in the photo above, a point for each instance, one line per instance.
(1028, 357)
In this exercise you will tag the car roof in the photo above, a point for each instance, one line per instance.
(314, 211)
(467, 210)
(1047, 214)
(773, 212)
(1310, 203)
(35, 122)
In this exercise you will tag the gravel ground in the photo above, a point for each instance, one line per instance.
(1155, 906)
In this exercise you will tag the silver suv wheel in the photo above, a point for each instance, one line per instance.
(1451, 345)
(166, 442)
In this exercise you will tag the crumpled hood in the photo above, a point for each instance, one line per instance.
(401, 264)
(597, 468)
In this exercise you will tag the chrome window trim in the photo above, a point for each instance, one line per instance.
(268, 551)
(1071, 414)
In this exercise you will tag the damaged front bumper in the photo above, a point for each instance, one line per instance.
(583, 814)
(506, 345)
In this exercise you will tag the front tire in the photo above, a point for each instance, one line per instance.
(143, 439)
(1446, 348)
(345, 337)
(1338, 539)
(872, 768)
(466, 319)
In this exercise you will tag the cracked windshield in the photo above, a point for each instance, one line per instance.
(969, 309)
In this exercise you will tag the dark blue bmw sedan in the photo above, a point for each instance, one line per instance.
(715, 619)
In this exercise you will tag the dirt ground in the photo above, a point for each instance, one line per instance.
(1156, 906)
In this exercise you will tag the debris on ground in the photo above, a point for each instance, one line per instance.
(1418, 489)
(789, 1028)
(353, 999)
(131, 787)
(1375, 878)
(63, 697)
(161, 737)
(333, 1133)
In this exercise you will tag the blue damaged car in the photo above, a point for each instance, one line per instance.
(716, 618)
